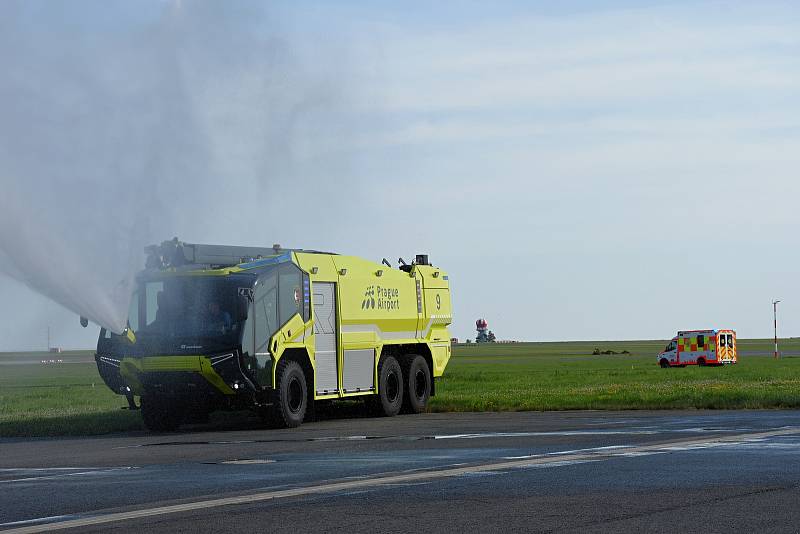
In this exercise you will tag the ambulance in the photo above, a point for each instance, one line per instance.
(699, 347)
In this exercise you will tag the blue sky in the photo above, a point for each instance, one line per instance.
(593, 170)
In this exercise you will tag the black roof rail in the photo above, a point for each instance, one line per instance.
(175, 253)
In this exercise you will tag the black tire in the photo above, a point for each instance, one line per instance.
(701, 362)
(198, 411)
(417, 377)
(664, 363)
(162, 414)
(291, 395)
(389, 400)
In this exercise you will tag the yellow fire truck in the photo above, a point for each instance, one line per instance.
(220, 327)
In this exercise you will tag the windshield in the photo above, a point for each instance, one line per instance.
(189, 308)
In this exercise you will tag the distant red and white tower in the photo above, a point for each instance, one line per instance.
(483, 328)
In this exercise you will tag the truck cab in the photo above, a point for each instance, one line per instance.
(200, 339)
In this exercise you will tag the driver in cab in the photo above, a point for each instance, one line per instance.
(216, 319)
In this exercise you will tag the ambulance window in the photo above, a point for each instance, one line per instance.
(730, 340)
(670, 347)
(701, 340)
(722, 340)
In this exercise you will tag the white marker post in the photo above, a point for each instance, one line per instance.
(775, 323)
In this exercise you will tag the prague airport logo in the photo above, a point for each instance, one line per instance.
(381, 298)
(369, 299)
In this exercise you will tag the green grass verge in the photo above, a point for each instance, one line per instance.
(565, 376)
(58, 399)
(69, 398)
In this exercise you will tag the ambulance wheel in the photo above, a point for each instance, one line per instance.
(389, 400)
(291, 396)
(664, 364)
(417, 384)
(161, 414)
(701, 362)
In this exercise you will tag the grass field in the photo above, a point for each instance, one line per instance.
(565, 376)
(56, 399)
(69, 398)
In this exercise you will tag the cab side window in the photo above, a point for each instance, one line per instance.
(670, 347)
(265, 311)
(292, 296)
(306, 298)
(133, 312)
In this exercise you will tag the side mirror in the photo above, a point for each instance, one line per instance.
(84, 321)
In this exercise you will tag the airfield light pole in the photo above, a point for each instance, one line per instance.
(775, 324)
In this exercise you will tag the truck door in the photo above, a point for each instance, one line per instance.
(325, 351)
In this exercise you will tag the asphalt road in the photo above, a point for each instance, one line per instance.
(559, 471)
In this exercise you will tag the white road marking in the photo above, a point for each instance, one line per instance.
(248, 462)
(99, 471)
(362, 484)
(37, 520)
(575, 451)
(642, 431)
(17, 469)
(543, 434)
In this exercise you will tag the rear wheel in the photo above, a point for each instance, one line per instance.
(389, 399)
(701, 362)
(291, 396)
(162, 414)
(664, 363)
(417, 384)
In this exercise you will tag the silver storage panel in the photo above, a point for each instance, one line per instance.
(325, 337)
(359, 370)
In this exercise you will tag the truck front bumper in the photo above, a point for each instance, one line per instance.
(173, 373)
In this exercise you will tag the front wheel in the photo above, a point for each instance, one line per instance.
(161, 414)
(291, 396)
(418, 384)
(664, 363)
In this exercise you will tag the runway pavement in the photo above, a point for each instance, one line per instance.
(557, 471)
